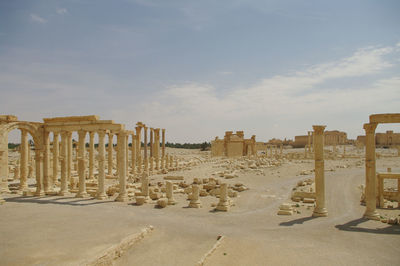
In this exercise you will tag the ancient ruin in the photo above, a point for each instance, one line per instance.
(233, 145)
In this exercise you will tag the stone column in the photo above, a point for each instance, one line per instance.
(194, 201)
(56, 145)
(156, 153)
(163, 143)
(122, 196)
(170, 193)
(110, 153)
(223, 204)
(309, 141)
(146, 162)
(319, 209)
(24, 160)
(39, 172)
(91, 155)
(166, 163)
(46, 162)
(151, 141)
(171, 161)
(81, 165)
(4, 162)
(145, 186)
(101, 192)
(64, 165)
(133, 158)
(138, 149)
(69, 156)
(127, 154)
(370, 172)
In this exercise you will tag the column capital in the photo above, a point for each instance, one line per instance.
(69, 134)
(91, 134)
(370, 128)
(56, 133)
(319, 129)
(82, 133)
(163, 130)
(101, 133)
(23, 131)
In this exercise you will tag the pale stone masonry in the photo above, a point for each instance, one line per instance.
(319, 209)
(58, 156)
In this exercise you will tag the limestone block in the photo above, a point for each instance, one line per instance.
(140, 200)
(308, 200)
(285, 212)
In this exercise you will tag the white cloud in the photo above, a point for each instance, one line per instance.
(61, 11)
(38, 19)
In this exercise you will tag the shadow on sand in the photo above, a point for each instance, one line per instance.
(72, 201)
(352, 226)
(297, 221)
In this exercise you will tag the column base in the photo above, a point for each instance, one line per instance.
(64, 193)
(122, 198)
(101, 196)
(372, 215)
(171, 202)
(320, 212)
(224, 206)
(2, 201)
(196, 204)
(83, 194)
(39, 193)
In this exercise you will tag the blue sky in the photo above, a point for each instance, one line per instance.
(199, 68)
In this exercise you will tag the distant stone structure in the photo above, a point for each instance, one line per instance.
(383, 139)
(333, 137)
(233, 145)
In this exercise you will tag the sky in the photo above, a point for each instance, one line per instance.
(200, 68)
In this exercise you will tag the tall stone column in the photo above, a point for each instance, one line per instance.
(101, 192)
(24, 160)
(146, 162)
(127, 154)
(69, 156)
(156, 153)
(64, 165)
(370, 172)
(138, 149)
(309, 141)
(194, 201)
(319, 209)
(39, 172)
(81, 165)
(163, 143)
(46, 162)
(56, 145)
(4, 162)
(133, 158)
(91, 155)
(151, 141)
(110, 153)
(122, 196)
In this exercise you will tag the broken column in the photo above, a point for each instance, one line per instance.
(46, 162)
(170, 193)
(223, 204)
(370, 172)
(319, 209)
(145, 186)
(146, 162)
(69, 157)
(194, 200)
(157, 147)
(138, 149)
(163, 146)
(133, 151)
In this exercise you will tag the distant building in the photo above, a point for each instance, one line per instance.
(233, 145)
(333, 137)
(383, 139)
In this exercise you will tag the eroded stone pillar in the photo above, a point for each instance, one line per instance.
(157, 147)
(121, 138)
(170, 193)
(138, 149)
(110, 153)
(151, 141)
(146, 162)
(46, 162)
(145, 186)
(370, 172)
(69, 157)
(91, 155)
(81, 165)
(163, 143)
(56, 155)
(194, 201)
(24, 160)
(133, 158)
(319, 209)
(127, 154)
(309, 141)
(223, 204)
(101, 192)
(64, 165)
(39, 172)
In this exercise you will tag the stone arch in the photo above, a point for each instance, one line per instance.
(33, 128)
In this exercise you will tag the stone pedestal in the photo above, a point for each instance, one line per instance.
(170, 193)
(223, 204)
(194, 201)
(319, 209)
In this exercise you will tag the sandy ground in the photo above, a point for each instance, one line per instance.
(69, 231)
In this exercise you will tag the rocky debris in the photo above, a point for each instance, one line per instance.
(162, 203)
(285, 209)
